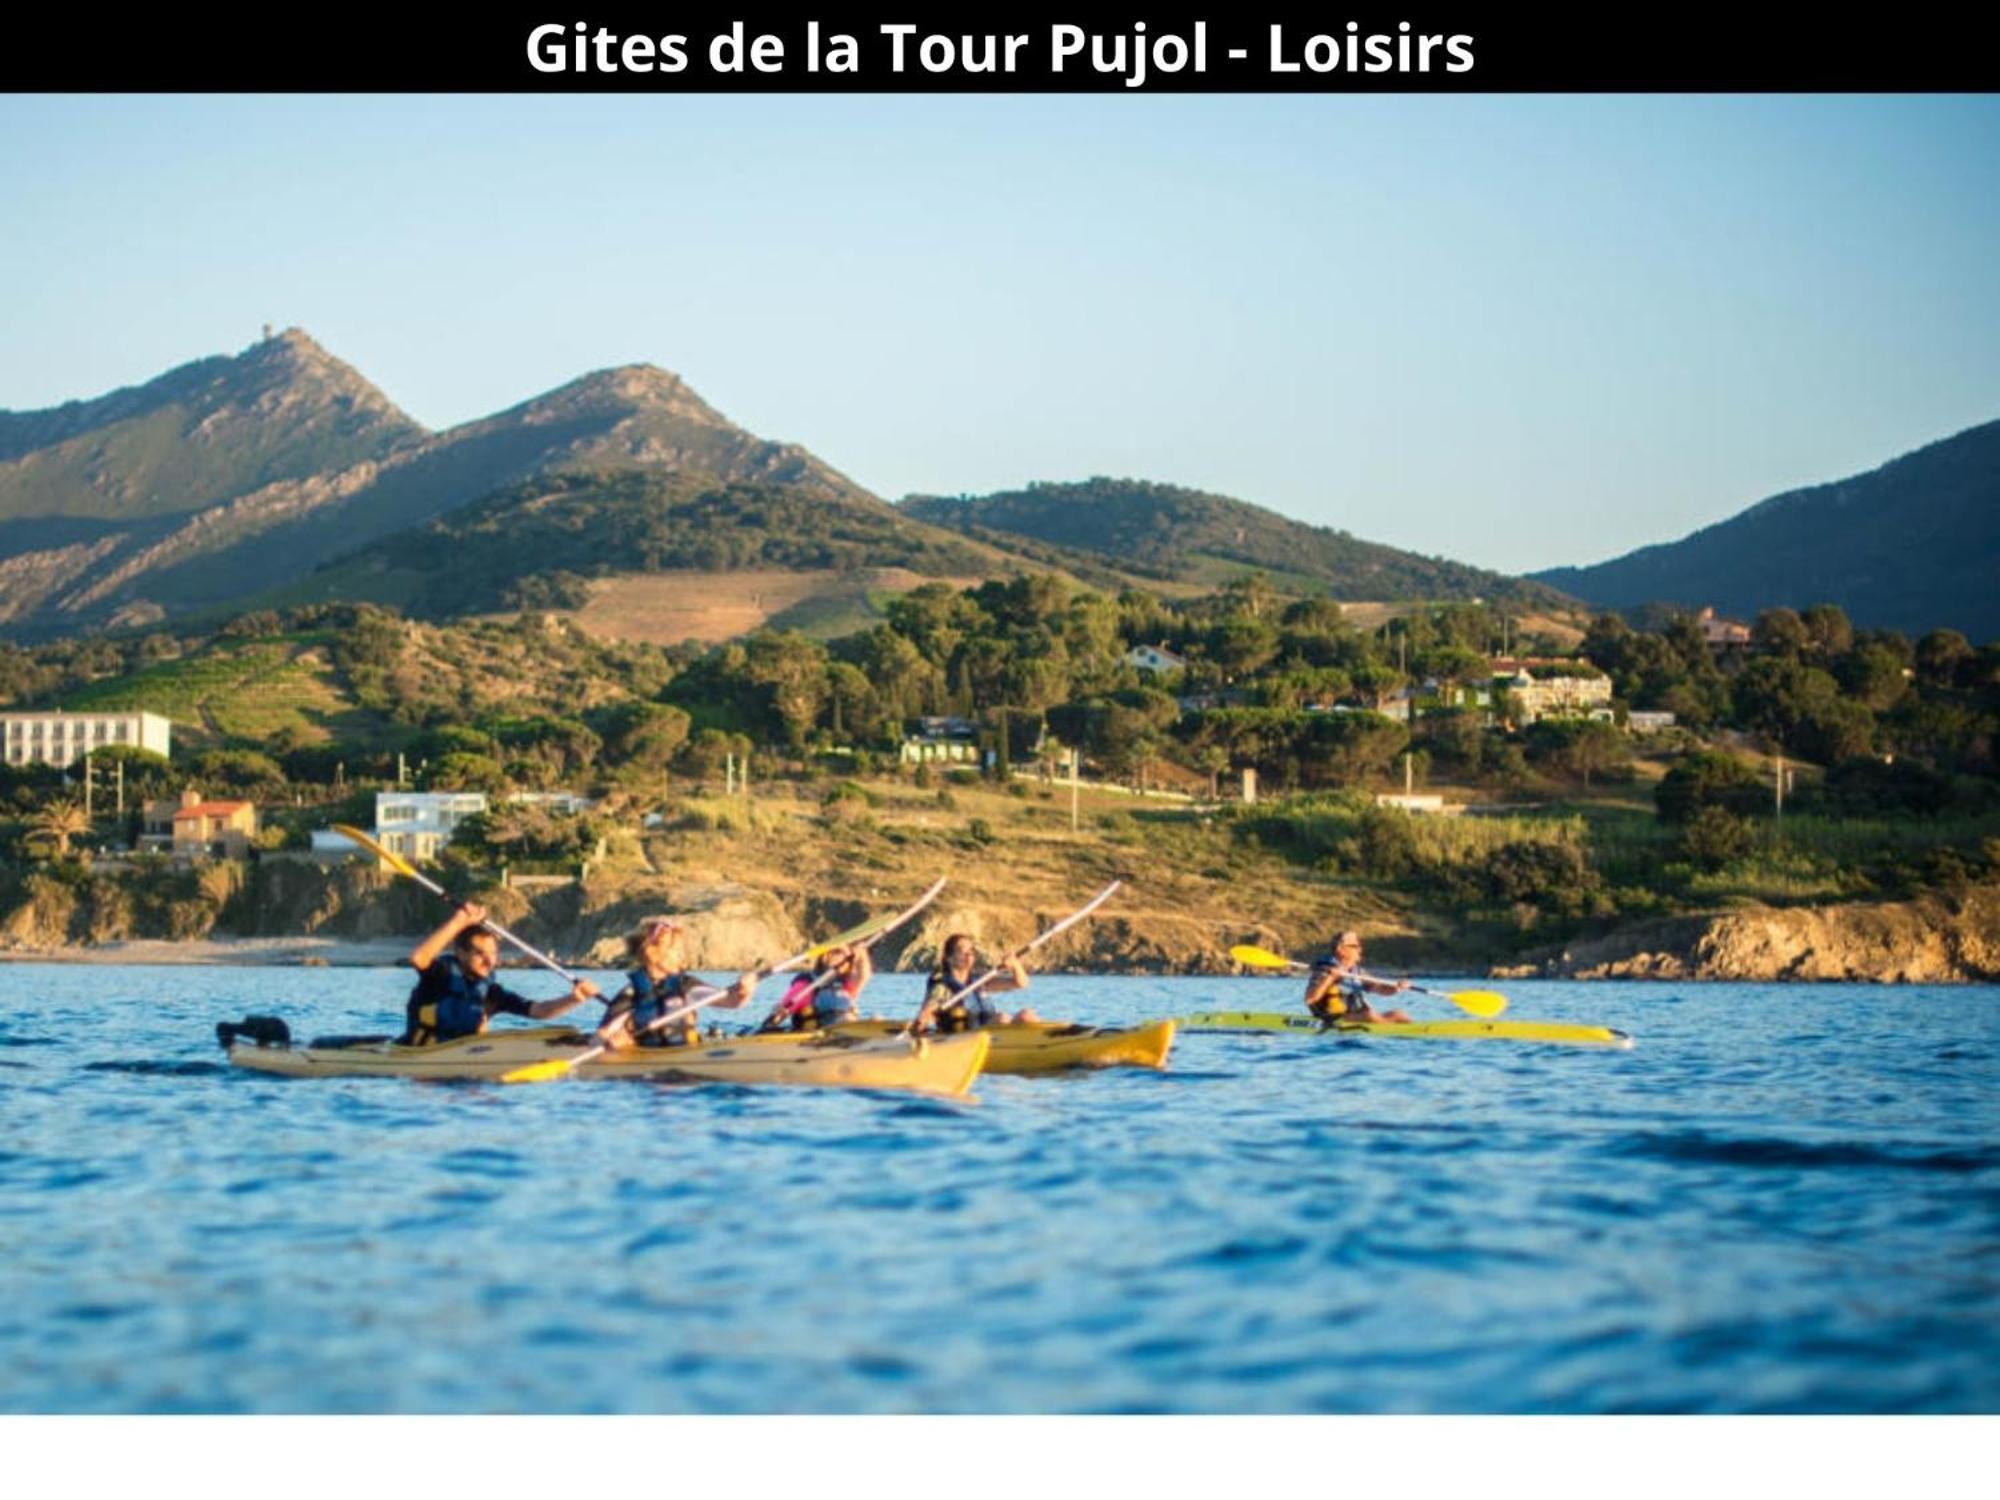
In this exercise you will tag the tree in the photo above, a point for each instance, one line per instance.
(1707, 778)
(1828, 631)
(57, 824)
(1714, 837)
(1579, 747)
(647, 735)
(1778, 632)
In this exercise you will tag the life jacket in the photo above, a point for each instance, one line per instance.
(1347, 997)
(459, 1011)
(650, 1001)
(831, 1004)
(970, 1014)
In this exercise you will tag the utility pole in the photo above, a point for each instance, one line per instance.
(1778, 785)
(88, 779)
(1075, 764)
(121, 788)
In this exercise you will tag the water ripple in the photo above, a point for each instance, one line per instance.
(1755, 1210)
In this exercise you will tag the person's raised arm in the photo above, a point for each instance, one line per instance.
(471, 914)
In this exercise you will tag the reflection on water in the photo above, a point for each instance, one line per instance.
(1757, 1209)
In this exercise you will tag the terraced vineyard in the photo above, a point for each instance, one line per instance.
(251, 690)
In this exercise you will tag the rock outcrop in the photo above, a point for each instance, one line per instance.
(1934, 939)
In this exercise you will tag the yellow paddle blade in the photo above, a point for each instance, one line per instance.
(394, 861)
(541, 1072)
(1487, 1003)
(1262, 958)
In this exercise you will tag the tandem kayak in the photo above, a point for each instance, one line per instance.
(1511, 1031)
(935, 1065)
(1054, 1046)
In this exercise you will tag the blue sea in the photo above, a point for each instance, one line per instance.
(1784, 1199)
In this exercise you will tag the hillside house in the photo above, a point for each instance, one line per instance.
(951, 741)
(1559, 697)
(418, 824)
(60, 739)
(214, 830)
(1721, 634)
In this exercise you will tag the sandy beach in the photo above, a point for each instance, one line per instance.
(235, 952)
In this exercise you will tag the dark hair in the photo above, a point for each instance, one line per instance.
(463, 941)
(944, 953)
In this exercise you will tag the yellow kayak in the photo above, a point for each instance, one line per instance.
(1513, 1031)
(1053, 1046)
(936, 1065)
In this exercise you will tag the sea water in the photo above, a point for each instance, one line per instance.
(1783, 1199)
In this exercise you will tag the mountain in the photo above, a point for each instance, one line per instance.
(1911, 546)
(235, 476)
(210, 430)
(1191, 537)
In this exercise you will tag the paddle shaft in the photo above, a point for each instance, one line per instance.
(1017, 954)
(404, 867)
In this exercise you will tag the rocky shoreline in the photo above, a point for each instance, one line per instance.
(354, 916)
(1933, 939)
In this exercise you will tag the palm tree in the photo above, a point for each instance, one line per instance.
(58, 823)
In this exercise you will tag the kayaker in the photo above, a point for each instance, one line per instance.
(826, 996)
(956, 964)
(456, 993)
(1337, 989)
(659, 984)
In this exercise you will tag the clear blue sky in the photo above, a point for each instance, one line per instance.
(1514, 331)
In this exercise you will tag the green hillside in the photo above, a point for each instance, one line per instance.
(534, 544)
(1189, 536)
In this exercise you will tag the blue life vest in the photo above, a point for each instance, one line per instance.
(650, 1001)
(461, 1009)
(831, 1004)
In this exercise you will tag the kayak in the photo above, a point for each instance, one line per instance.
(936, 1065)
(1053, 1046)
(1511, 1031)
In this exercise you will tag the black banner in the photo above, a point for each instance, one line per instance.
(1031, 48)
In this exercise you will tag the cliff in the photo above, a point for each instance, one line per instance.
(1934, 939)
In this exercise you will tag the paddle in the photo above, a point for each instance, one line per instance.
(1486, 1003)
(1008, 959)
(900, 918)
(403, 867)
(561, 1067)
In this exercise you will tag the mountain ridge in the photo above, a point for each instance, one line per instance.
(1911, 544)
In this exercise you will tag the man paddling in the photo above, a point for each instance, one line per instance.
(1337, 990)
(456, 993)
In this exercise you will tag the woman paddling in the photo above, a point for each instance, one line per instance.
(658, 985)
(954, 972)
(827, 995)
(1337, 990)
(456, 993)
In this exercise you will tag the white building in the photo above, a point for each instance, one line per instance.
(60, 739)
(1561, 697)
(418, 824)
(1155, 659)
(1648, 720)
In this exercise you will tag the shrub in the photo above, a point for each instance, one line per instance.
(1707, 779)
(1714, 837)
